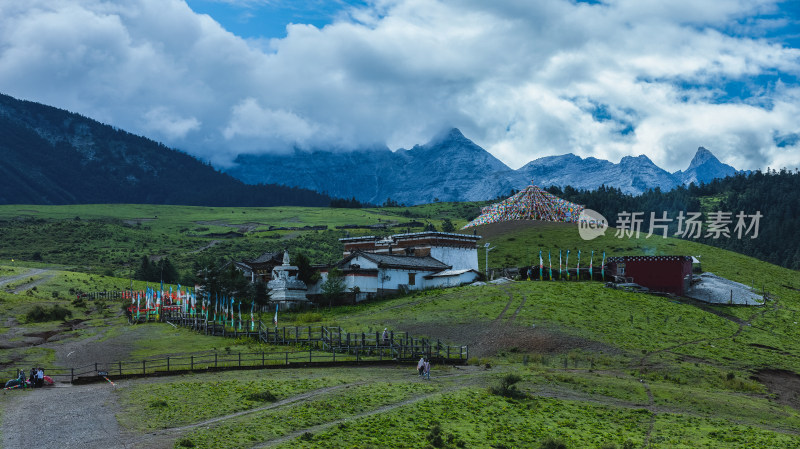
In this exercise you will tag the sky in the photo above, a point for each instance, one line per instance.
(523, 79)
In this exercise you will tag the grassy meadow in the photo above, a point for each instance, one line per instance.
(112, 239)
(551, 362)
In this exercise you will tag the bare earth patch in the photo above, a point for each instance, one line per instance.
(486, 339)
(785, 385)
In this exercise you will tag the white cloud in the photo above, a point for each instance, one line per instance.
(261, 129)
(162, 121)
(522, 79)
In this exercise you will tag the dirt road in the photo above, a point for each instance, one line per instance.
(62, 416)
(30, 273)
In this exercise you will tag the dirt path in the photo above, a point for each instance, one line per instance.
(741, 325)
(516, 312)
(508, 304)
(211, 244)
(30, 273)
(30, 285)
(329, 424)
(166, 437)
(373, 412)
(651, 407)
(62, 417)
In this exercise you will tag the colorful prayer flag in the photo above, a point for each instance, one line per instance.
(541, 265)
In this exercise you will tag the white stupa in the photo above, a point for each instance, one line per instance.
(285, 288)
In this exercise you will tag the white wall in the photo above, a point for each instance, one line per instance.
(451, 281)
(458, 258)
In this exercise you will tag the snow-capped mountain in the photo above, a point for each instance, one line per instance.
(453, 168)
(445, 168)
(632, 175)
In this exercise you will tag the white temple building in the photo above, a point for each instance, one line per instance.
(376, 266)
(285, 288)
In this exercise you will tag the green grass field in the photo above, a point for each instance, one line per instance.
(597, 367)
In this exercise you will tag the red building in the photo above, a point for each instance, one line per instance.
(670, 274)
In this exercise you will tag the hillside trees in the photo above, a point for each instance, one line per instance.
(161, 271)
(775, 195)
(334, 286)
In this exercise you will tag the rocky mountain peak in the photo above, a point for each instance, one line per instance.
(701, 157)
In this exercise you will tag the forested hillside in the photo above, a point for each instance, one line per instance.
(51, 156)
(776, 195)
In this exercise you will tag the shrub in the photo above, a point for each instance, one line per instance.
(262, 396)
(160, 403)
(435, 436)
(552, 443)
(41, 314)
(307, 436)
(185, 443)
(507, 387)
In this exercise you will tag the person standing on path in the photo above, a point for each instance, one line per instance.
(421, 366)
(428, 369)
(385, 337)
(40, 378)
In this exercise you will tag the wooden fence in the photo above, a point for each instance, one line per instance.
(401, 346)
(321, 346)
(207, 361)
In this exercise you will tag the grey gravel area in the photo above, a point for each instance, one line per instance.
(718, 290)
(62, 417)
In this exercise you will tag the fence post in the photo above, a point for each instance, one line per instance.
(191, 363)
(287, 357)
(262, 358)
(120, 367)
(215, 359)
(309, 355)
(167, 363)
(71, 375)
(144, 369)
(240, 359)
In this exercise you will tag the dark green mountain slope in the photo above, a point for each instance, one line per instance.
(775, 195)
(52, 156)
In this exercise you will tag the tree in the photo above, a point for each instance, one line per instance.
(306, 272)
(233, 284)
(334, 285)
(144, 271)
(447, 225)
(166, 272)
(261, 293)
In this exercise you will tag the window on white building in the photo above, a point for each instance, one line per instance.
(411, 278)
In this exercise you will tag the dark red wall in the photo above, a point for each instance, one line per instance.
(658, 274)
